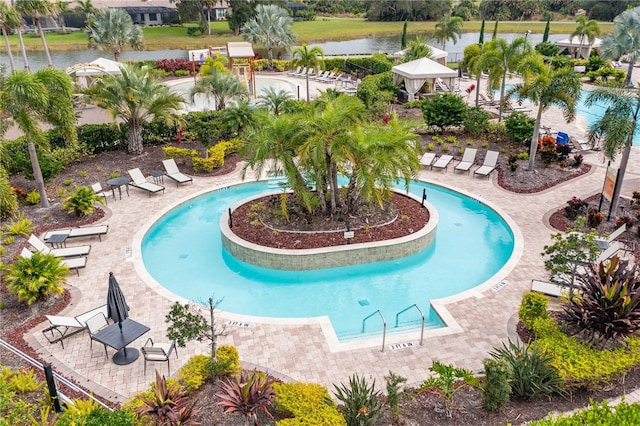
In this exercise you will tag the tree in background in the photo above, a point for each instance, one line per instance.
(85, 7)
(271, 27)
(393, 10)
(134, 97)
(110, 30)
(32, 99)
(585, 30)
(624, 40)
(545, 36)
(501, 57)
(448, 28)
(495, 31)
(221, 86)
(241, 12)
(546, 87)
(63, 9)
(403, 39)
(617, 126)
(481, 38)
(309, 58)
(9, 18)
(465, 9)
(38, 10)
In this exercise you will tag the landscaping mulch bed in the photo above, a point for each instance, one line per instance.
(415, 408)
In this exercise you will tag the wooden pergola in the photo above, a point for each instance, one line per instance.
(246, 73)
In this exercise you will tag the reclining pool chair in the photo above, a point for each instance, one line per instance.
(468, 158)
(442, 162)
(489, 165)
(68, 326)
(139, 181)
(80, 232)
(173, 172)
(77, 251)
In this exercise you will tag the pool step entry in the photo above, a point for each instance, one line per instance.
(384, 322)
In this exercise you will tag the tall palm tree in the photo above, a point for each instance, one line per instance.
(135, 98)
(35, 98)
(546, 87)
(273, 100)
(309, 58)
(449, 28)
(624, 40)
(618, 125)
(85, 7)
(585, 30)
(110, 30)
(501, 57)
(418, 48)
(63, 9)
(9, 18)
(271, 27)
(38, 10)
(221, 86)
(329, 130)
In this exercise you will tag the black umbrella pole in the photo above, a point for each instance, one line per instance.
(51, 384)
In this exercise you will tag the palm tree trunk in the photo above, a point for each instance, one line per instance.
(44, 42)
(502, 87)
(478, 89)
(624, 161)
(23, 50)
(307, 76)
(627, 80)
(37, 174)
(135, 139)
(270, 55)
(12, 64)
(534, 139)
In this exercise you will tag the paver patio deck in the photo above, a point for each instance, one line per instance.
(301, 351)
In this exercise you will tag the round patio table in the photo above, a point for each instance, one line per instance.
(117, 183)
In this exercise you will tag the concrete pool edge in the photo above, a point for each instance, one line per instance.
(327, 257)
(451, 325)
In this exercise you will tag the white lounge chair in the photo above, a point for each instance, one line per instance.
(173, 172)
(300, 73)
(427, 159)
(294, 73)
(548, 288)
(489, 164)
(139, 181)
(40, 246)
(605, 243)
(321, 75)
(68, 326)
(97, 189)
(328, 77)
(442, 162)
(74, 263)
(80, 231)
(468, 158)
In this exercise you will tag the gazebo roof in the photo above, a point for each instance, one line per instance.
(239, 49)
(575, 42)
(424, 68)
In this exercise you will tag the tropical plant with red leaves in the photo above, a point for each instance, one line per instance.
(247, 394)
(168, 405)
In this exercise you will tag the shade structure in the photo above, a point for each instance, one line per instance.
(118, 311)
(579, 45)
(416, 73)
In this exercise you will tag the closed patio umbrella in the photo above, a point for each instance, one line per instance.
(117, 308)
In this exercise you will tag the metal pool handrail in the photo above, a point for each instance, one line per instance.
(384, 326)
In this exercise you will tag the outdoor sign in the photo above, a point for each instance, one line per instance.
(609, 183)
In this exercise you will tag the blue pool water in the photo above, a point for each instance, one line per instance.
(596, 112)
(184, 253)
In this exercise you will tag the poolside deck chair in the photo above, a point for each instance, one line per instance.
(427, 159)
(548, 288)
(605, 242)
(40, 246)
(97, 189)
(74, 263)
(489, 164)
(442, 162)
(173, 172)
(293, 73)
(139, 181)
(335, 78)
(468, 158)
(80, 232)
(320, 75)
(95, 324)
(609, 252)
(300, 73)
(68, 326)
(328, 78)
(158, 352)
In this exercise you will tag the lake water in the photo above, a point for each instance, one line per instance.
(369, 45)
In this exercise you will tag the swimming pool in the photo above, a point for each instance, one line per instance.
(203, 103)
(183, 252)
(596, 112)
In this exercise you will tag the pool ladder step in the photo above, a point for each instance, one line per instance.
(384, 322)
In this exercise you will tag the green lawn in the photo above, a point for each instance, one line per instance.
(322, 29)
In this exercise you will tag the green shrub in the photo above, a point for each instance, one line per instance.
(36, 278)
(579, 364)
(476, 121)
(206, 165)
(307, 404)
(361, 402)
(376, 88)
(532, 372)
(532, 307)
(8, 197)
(228, 355)
(443, 111)
(19, 225)
(33, 198)
(431, 147)
(519, 127)
(195, 372)
(82, 201)
(21, 381)
(179, 153)
(7, 241)
(621, 414)
(98, 416)
(393, 390)
(496, 391)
